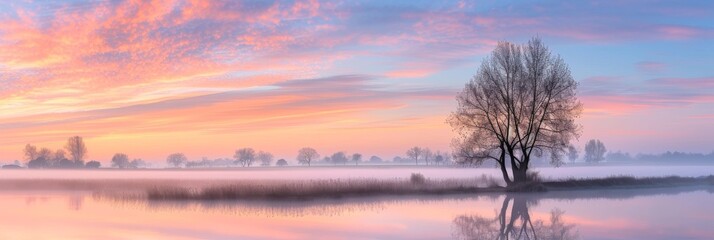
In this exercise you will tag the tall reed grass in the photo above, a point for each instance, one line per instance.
(310, 189)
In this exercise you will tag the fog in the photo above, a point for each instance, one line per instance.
(348, 172)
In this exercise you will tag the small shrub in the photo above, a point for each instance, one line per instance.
(492, 183)
(533, 176)
(417, 178)
(488, 181)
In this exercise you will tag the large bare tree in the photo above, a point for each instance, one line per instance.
(521, 103)
(77, 150)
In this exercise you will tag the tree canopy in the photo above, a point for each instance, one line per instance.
(522, 102)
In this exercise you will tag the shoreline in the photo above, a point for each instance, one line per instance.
(281, 190)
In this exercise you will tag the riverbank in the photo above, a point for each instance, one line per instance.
(362, 188)
(167, 189)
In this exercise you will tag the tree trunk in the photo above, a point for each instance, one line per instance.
(519, 174)
(502, 165)
(505, 174)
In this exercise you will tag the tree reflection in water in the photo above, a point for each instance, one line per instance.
(517, 225)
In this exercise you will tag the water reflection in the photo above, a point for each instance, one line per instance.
(516, 225)
(290, 208)
(75, 202)
(682, 213)
(519, 203)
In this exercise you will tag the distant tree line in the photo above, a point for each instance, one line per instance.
(72, 156)
(121, 160)
(596, 152)
(666, 157)
(75, 152)
(427, 156)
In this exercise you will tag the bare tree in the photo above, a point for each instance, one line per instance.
(521, 102)
(281, 163)
(265, 158)
(572, 153)
(42, 159)
(441, 157)
(137, 163)
(77, 150)
(306, 155)
(60, 160)
(45, 153)
(427, 155)
(375, 159)
(59, 155)
(30, 152)
(414, 154)
(120, 160)
(176, 159)
(245, 156)
(93, 164)
(594, 151)
(339, 157)
(357, 157)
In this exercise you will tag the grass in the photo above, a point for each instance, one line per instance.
(417, 185)
(315, 189)
(628, 181)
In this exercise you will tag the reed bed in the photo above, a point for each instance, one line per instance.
(628, 181)
(313, 189)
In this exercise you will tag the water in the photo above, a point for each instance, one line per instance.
(654, 213)
(671, 213)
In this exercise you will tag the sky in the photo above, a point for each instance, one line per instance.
(150, 78)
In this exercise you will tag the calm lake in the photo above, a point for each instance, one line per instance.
(654, 213)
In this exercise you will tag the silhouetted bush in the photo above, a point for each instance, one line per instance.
(489, 181)
(628, 181)
(417, 178)
(93, 164)
(38, 163)
(66, 163)
(533, 176)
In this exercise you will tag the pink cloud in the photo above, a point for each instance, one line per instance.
(702, 116)
(692, 83)
(614, 95)
(678, 32)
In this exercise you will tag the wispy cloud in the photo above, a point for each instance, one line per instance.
(86, 67)
(616, 95)
(286, 104)
(651, 67)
